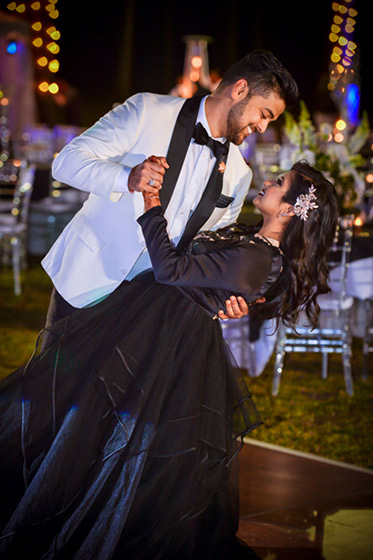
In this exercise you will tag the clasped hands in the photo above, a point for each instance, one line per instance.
(147, 177)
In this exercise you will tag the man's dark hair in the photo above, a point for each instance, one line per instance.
(264, 74)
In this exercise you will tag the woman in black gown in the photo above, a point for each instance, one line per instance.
(120, 439)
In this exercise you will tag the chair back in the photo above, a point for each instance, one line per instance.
(339, 256)
(22, 194)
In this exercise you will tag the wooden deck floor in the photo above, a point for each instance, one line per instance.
(297, 506)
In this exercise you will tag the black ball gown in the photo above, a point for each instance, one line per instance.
(120, 439)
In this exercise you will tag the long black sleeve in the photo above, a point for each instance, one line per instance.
(241, 268)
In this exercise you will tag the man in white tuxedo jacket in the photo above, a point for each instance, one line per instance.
(146, 144)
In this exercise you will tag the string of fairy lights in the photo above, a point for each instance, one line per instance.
(43, 17)
(343, 78)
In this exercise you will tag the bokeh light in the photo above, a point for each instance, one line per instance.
(45, 35)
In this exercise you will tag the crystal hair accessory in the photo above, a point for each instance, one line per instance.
(304, 203)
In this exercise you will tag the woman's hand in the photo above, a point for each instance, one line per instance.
(150, 200)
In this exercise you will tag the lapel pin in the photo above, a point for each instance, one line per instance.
(221, 167)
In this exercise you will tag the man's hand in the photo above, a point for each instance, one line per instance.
(236, 308)
(148, 175)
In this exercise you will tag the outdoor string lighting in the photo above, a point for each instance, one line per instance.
(43, 17)
(343, 79)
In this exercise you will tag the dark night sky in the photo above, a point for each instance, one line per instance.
(94, 51)
(110, 50)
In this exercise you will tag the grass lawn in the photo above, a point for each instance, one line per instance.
(309, 414)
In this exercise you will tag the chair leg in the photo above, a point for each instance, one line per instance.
(324, 371)
(16, 266)
(347, 372)
(367, 336)
(252, 359)
(279, 362)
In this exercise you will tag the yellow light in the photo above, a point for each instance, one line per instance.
(342, 41)
(42, 61)
(44, 86)
(339, 137)
(335, 29)
(36, 26)
(53, 88)
(337, 50)
(12, 6)
(351, 45)
(53, 48)
(340, 68)
(331, 87)
(369, 177)
(52, 31)
(352, 12)
(340, 124)
(335, 6)
(342, 9)
(346, 62)
(338, 20)
(351, 21)
(196, 61)
(21, 8)
(35, 5)
(333, 37)
(54, 66)
(358, 221)
(335, 57)
(37, 42)
(54, 14)
(49, 8)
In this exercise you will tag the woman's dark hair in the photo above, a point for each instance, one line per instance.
(264, 74)
(305, 244)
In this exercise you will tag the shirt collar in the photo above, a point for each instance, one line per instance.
(201, 117)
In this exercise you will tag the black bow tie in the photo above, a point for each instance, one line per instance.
(201, 136)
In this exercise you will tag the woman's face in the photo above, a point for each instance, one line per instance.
(270, 199)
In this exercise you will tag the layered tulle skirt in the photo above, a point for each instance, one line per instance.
(120, 439)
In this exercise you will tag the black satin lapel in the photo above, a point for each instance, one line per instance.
(179, 144)
(204, 208)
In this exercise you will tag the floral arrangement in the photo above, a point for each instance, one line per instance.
(340, 162)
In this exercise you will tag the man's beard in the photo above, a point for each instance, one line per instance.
(234, 126)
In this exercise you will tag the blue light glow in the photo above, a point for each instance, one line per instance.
(352, 103)
(11, 47)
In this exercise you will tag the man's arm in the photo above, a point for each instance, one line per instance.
(91, 161)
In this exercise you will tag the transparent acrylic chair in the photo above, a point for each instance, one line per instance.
(333, 331)
(14, 224)
(368, 336)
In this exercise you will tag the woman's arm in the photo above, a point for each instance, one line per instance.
(240, 268)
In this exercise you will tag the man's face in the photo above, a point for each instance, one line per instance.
(252, 115)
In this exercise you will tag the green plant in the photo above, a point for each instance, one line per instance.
(341, 162)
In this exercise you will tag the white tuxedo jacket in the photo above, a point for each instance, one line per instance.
(99, 246)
